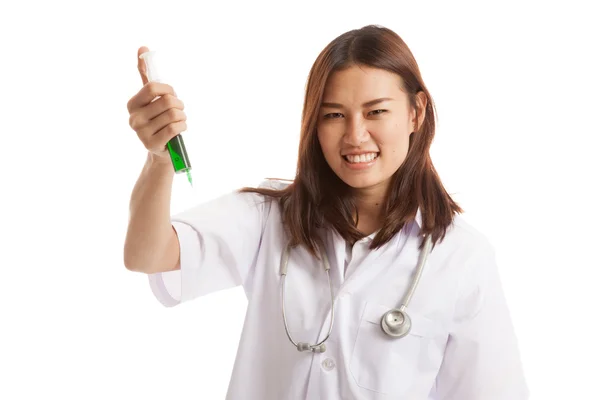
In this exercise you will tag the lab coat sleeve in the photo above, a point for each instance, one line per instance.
(218, 243)
(482, 360)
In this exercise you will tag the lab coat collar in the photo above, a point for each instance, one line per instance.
(336, 251)
(418, 219)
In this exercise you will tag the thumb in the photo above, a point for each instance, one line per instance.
(142, 64)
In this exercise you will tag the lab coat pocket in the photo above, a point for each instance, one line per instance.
(385, 364)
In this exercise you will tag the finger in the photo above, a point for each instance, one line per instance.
(142, 64)
(161, 105)
(160, 122)
(159, 141)
(148, 93)
(138, 119)
(152, 127)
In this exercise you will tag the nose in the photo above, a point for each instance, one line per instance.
(356, 132)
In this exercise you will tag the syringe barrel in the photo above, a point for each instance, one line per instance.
(179, 157)
(176, 146)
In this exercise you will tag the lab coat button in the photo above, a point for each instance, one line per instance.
(328, 364)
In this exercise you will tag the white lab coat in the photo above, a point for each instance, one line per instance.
(461, 347)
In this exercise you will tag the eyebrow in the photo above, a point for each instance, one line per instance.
(367, 104)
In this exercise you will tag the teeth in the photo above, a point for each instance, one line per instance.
(367, 157)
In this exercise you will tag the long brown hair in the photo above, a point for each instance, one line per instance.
(317, 198)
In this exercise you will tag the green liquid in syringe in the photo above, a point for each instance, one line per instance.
(179, 157)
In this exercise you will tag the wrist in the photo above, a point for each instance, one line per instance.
(162, 163)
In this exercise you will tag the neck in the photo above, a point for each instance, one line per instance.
(369, 203)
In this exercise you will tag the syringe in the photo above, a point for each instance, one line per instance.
(176, 147)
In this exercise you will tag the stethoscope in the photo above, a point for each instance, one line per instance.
(395, 322)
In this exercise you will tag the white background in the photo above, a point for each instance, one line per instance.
(516, 88)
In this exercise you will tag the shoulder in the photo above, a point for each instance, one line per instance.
(267, 193)
(256, 197)
(473, 254)
(274, 183)
(465, 233)
(234, 204)
(259, 198)
(471, 261)
(466, 247)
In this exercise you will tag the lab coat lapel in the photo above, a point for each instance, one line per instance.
(401, 250)
(335, 248)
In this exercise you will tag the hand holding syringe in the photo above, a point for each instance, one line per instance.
(156, 115)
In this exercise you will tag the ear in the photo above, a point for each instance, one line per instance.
(419, 114)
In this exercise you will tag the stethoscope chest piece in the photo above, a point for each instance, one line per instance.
(396, 323)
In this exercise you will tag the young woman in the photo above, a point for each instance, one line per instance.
(363, 280)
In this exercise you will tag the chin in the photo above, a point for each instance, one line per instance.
(361, 182)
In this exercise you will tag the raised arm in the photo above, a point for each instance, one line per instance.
(156, 115)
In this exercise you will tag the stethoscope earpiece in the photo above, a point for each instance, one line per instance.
(396, 323)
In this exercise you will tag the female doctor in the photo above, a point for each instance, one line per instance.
(363, 281)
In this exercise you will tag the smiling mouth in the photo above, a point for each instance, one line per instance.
(361, 158)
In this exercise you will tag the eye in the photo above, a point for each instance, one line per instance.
(376, 112)
(332, 115)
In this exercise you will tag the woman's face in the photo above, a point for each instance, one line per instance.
(364, 125)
